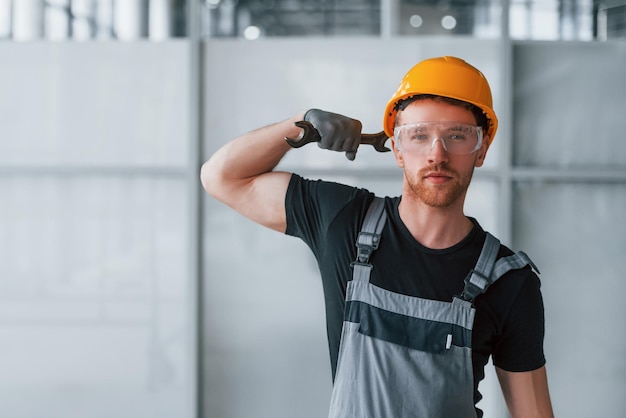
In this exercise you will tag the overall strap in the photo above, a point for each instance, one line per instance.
(369, 238)
(488, 270)
(512, 262)
(479, 278)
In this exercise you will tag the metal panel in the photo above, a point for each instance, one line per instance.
(576, 235)
(105, 104)
(93, 297)
(95, 283)
(569, 102)
(568, 212)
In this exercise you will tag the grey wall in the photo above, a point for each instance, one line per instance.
(570, 213)
(95, 289)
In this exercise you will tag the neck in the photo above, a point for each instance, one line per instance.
(435, 227)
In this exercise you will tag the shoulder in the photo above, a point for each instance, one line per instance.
(313, 206)
(511, 269)
(517, 271)
(515, 274)
(300, 189)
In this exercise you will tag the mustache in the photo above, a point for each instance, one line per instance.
(439, 168)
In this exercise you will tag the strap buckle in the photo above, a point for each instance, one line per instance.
(366, 243)
(475, 284)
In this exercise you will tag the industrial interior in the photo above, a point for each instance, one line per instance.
(126, 291)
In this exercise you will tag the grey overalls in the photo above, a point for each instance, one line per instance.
(402, 356)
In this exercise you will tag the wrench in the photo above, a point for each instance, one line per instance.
(310, 134)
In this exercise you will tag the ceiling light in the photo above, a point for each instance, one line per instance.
(416, 21)
(252, 32)
(448, 22)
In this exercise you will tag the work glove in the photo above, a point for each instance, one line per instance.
(337, 132)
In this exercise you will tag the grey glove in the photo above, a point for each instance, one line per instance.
(337, 132)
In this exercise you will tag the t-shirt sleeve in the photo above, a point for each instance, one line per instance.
(520, 347)
(311, 205)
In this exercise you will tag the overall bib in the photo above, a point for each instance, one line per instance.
(402, 356)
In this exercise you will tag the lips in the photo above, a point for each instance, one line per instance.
(438, 174)
(438, 177)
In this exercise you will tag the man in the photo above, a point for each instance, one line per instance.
(417, 307)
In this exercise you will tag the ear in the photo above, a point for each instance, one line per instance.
(397, 153)
(482, 153)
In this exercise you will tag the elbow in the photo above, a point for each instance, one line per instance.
(216, 181)
(210, 178)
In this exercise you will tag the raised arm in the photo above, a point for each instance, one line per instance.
(526, 393)
(240, 174)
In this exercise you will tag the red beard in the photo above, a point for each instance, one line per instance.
(439, 195)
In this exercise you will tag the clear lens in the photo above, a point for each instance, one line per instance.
(456, 138)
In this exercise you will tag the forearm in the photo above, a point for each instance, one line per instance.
(248, 156)
(526, 393)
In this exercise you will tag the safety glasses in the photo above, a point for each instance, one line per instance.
(456, 138)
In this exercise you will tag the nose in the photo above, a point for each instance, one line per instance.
(437, 152)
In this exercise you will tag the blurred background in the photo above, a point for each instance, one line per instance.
(126, 292)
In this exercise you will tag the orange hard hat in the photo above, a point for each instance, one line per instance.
(447, 77)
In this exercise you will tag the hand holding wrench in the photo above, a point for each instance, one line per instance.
(310, 134)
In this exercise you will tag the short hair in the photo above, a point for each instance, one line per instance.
(479, 115)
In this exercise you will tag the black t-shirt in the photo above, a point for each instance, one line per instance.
(509, 321)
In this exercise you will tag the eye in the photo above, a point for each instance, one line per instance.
(457, 134)
(417, 135)
(458, 137)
